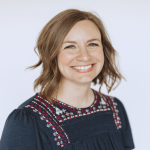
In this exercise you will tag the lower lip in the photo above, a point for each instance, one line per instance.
(85, 70)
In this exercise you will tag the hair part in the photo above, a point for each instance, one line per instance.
(49, 43)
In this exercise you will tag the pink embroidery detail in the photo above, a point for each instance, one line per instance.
(67, 113)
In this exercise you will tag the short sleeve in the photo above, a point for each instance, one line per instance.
(125, 129)
(19, 132)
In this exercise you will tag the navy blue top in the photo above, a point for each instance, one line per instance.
(39, 125)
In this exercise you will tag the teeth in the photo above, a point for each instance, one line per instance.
(86, 67)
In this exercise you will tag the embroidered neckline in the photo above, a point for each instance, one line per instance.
(54, 116)
(62, 112)
(62, 103)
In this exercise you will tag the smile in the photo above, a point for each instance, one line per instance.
(84, 68)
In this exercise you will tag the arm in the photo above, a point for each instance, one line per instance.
(125, 129)
(19, 132)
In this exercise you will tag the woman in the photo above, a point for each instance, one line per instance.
(74, 51)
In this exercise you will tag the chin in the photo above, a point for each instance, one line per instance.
(85, 80)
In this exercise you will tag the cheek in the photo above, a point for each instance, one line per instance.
(64, 59)
(99, 55)
(60, 59)
(100, 59)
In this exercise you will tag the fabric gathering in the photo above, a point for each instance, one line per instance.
(37, 124)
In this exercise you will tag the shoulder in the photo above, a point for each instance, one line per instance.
(121, 120)
(22, 109)
(20, 128)
(111, 99)
(114, 102)
(118, 110)
(26, 102)
(20, 117)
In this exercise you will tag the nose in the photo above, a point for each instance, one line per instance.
(83, 55)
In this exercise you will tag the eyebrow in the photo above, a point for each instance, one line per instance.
(87, 41)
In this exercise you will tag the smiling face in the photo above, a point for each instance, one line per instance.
(81, 56)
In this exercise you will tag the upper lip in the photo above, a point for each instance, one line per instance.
(82, 65)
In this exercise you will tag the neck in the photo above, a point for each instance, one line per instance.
(78, 95)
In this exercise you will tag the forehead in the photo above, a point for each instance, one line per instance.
(84, 29)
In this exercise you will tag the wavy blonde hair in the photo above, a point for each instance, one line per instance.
(49, 43)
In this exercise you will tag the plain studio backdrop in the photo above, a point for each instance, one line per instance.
(128, 25)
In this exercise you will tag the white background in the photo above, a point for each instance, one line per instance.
(128, 25)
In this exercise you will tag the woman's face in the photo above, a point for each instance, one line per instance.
(81, 56)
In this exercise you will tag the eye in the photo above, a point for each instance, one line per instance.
(93, 44)
(70, 46)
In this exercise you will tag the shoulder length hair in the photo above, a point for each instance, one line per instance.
(49, 43)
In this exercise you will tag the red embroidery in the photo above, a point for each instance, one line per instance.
(113, 105)
(62, 138)
(63, 112)
(59, 112)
